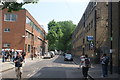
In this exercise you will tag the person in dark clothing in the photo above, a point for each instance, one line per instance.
(18, 62)
(3, 55)
(104, 61)
(23, 55)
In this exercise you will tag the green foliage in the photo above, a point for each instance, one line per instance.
(15, 6)
(60, 35)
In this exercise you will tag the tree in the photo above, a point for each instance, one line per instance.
(67, 30)
(14, 5)
(54, 35)
(59, 35)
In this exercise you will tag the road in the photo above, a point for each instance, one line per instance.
(48, 68)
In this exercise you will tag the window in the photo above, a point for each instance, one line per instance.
(7, 30)
(28, 20)
(34, 26)
(35, 38)
(10, 17)
(6, 45)
(28, 48)
(29, 35)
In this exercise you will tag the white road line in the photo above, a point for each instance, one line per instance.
(34, 71)
(28, 75)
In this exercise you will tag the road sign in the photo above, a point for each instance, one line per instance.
(111, 50)
(89, 38)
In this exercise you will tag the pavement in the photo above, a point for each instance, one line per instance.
(95, 71)
(5, 66)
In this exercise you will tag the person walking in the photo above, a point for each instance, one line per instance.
(18, 63)
(3, 55)
(81, 60)
(23, 55)
(85, 65)
(104, 62)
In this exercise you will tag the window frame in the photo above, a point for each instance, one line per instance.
(6, 45)
(8, 29)
(10, 17)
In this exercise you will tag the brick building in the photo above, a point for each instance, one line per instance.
(114, 35)
(0, 31)
(98, 32)
(20, 31)
(92, 31)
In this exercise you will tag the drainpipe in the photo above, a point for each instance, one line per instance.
(110, 29)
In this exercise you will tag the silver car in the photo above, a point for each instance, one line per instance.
(68, 57)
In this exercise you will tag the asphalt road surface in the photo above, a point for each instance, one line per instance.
(48, 68)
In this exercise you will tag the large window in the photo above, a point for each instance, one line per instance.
(10, 17)
(6, 45)
(7, 30)
(34, 26)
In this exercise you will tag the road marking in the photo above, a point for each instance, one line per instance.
(34, 71)
(69, 65)
(28, 75)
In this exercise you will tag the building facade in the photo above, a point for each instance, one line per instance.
(98, 32)
(92, 32)
(0, 31)
(114, 35)
(20, 31)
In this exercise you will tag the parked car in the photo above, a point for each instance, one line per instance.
(52, 54)
(68, 57)
(47, 55)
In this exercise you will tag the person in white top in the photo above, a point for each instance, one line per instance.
(85, 65)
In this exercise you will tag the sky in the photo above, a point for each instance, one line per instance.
(59, 10)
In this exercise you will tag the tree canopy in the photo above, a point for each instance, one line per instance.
(14, 5)
(60, 34)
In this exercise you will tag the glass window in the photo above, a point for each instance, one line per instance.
(34, 26)
(10, 17)
(28, 48)
(7, 30)
(6, 45)
(27, 20)
(29, 36)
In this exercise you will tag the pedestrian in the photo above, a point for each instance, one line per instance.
(23, 55)
(85, 65)
(18, 62)
(3, 55)
(81, 60)
(13, 53)
(10, 54)
(6, 55)
(104, 62)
